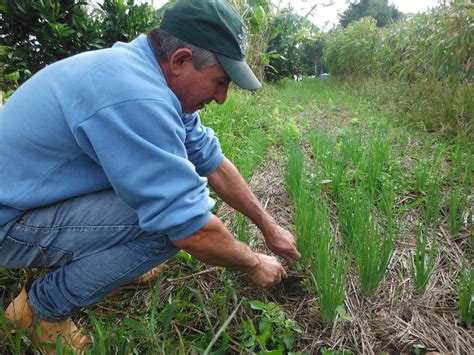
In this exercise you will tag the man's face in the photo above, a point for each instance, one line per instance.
(197, 88)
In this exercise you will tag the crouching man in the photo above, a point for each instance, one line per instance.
(104, 166)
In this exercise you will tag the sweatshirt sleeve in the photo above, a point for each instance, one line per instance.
(202, 146)
(141, 147)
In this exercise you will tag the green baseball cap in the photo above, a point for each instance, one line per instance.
(213, 25)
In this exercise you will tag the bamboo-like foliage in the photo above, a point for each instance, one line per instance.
(432, 46)
(431, 53)
(258, 16)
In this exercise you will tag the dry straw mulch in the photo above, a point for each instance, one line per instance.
(395, 319)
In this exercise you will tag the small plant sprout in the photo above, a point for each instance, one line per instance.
(465, 288)
(423, 261)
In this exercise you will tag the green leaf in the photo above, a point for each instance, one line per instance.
(138, 327)
(258, 305)
(342, 313)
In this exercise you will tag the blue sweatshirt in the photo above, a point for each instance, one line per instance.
(104, 119)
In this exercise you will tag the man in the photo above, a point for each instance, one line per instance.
(104, 164)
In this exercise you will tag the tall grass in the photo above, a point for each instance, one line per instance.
(295, 172)
(375, 157)
(426, 59)
(421, 176)
(242, 125)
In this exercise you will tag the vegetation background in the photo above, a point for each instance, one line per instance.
(381, 155)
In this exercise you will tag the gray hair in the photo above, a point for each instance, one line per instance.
(165, 44)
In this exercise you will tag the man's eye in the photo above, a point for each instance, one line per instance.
(222, 82)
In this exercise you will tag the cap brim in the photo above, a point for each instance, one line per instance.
(239, 72)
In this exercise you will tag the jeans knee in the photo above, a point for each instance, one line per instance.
(147, 244)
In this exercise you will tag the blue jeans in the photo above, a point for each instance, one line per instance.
(92, 244)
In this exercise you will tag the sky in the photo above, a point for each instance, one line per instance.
(325, 17)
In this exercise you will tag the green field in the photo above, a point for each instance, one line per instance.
(383, 216)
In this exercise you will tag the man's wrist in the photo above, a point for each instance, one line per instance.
(268, 227)
(254, 263)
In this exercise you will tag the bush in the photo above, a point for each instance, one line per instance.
(39, 32)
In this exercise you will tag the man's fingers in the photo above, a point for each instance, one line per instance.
(284, 274)
(292, 256)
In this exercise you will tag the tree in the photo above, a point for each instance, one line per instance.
(380, 10)
(288, 51)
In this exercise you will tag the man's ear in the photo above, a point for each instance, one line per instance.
(180, 59)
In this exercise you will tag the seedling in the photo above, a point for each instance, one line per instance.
(422, 262)
(329, 267)
(456, 207)
(465, 288)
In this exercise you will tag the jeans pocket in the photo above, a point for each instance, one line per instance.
(18, 254)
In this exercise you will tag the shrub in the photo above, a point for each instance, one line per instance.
(40, 32)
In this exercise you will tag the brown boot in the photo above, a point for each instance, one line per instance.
(146, 279)
(19, 311)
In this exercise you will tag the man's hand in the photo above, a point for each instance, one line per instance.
(231, 187)
(269, 271)
(214, 245)
(282, 243)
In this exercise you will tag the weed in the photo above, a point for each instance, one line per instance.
(274, 330)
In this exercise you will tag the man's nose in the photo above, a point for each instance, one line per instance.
(221, 93)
